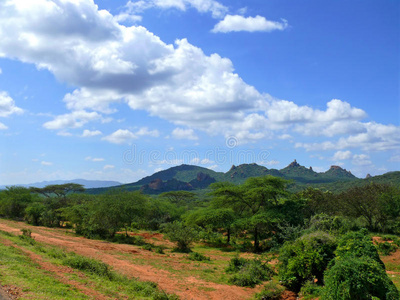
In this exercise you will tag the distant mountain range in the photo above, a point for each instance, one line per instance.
(195, 178)
(192, 178)
(88, 184)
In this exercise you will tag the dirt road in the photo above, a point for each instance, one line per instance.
(122, 259)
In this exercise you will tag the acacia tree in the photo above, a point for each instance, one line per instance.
(251, 201)
(377, 204)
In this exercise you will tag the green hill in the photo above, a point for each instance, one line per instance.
(195, 178)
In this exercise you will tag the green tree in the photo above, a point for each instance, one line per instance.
(182, 234)
(14, 200)
(251, 202)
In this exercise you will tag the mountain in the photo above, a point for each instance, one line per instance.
(190, 178)
(88, 184)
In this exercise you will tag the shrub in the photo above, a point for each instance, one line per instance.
(148, 247)
(271, 291)
(386, 248)
(305, 259)
(198, 257)
(358, 278)
(358, 244)
(183, 235)
(310, 290)
(89, 265)
(26, 232)
(248, 272)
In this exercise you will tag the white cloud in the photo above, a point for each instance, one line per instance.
(394, 158)
(272, 163)
(120, 136)
(7, 105)
(75, 119)
(90, 133)
(3, 127)
(239, 23)
(187, 134)
(64, 133)
(87, 48)
(361, 160)
(1, 71)
(94, 159)
(46, 163)
(108, 167)
(144, 131)
(342, 155)
(133, 8)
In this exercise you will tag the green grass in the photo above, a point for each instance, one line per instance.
(17, 269)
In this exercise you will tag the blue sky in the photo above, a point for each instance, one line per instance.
(116, 90)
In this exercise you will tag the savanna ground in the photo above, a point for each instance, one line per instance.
(27, 272)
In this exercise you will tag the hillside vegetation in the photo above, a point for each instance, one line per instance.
(318, 236)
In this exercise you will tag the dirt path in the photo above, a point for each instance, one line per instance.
(185, 287)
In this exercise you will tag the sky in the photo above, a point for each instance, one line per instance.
(117, 90)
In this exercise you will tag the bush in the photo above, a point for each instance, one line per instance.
(310, 290)
(306, 259)
(358, 244)
(248, 272)
(183, 235)
(271, 291)
(26, 232)
(198, 257)
(358, 278)
(89, 265)
(386, 248)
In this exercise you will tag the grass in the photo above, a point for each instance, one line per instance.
(17, 269)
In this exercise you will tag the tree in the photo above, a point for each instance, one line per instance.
(59, 190)
(251, 201)
(377, 204)
(183, 235)
(14, 200)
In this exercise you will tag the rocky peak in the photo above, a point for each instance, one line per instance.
(294, 164)
(368, 176)
(232, 168)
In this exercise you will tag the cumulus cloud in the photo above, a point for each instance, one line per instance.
(122, 136)
(90, 133)
(240, 23)
(74, 119)
(111, 63)
(186, 134)
(7, 105)
(3, 127)
(94, 159)
(342, 155)
(361, 160)
(108, 167)
(46, 163)
(133, 8)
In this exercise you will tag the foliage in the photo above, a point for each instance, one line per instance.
(89, 265)
(358, 244)
(271, 291)
(14, 200)
(358, 278)
(310, 290)
(377, 204)
(252, 202)
(306, 259)
(26, 232)
(386, 248)
(198, 257)
(183, 235)
(248, 272)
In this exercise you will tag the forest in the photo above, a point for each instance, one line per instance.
(321, 240)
